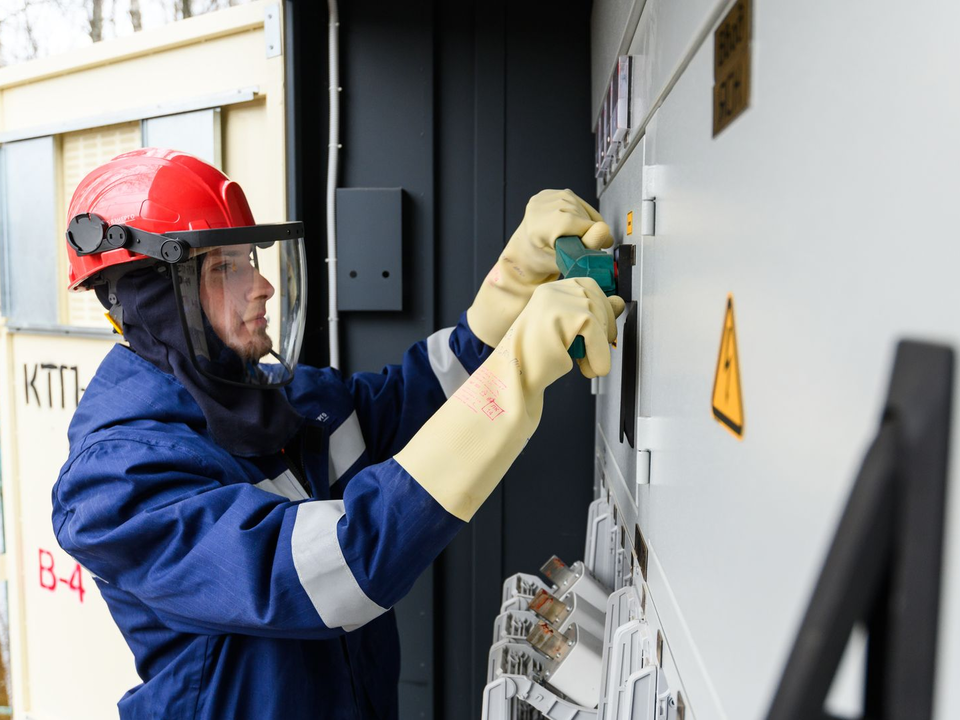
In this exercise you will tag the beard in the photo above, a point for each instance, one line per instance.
(259, 345)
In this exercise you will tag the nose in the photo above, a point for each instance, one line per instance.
(260, 288)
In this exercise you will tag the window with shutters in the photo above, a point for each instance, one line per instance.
(80, 153)
(28, 226)
(38, 177)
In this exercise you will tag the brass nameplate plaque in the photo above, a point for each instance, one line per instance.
(731, 66)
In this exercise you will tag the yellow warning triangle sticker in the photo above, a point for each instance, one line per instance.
(727, 395)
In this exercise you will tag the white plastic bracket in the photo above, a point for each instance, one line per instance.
(272, 35)
(643, 472)
(647, 696)
(648, 217)
(497, 697)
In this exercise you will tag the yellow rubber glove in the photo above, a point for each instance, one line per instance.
(529, 259)
(464, 450)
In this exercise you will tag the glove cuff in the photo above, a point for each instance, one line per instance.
(463, 451)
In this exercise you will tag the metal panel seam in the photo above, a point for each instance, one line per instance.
(682, 627)
(685, 60)
(672, 600)
(205, 102)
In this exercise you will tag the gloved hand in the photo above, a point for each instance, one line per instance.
(529, 259)
(463, 451)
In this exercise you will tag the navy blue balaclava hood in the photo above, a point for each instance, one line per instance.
(248, 422)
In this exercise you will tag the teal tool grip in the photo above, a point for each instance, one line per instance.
(576, 260)
(579, 348)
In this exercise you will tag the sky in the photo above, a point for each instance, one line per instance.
(62, 25)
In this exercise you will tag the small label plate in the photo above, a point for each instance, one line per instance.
(731, 66)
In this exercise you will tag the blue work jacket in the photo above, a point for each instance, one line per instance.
(247, 588)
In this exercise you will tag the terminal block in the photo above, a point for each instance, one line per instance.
(562, 614)
(575, 579)
(518, 690)
(519, 590)
(555, 674)
(515, 656)
(574, 661)
(573, 651)
(514, 625)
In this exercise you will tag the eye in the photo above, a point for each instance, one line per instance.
(221, 267)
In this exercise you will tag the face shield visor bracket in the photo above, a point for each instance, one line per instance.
(115, 313)
(89, 234)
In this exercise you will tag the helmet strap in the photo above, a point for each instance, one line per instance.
(115, 314)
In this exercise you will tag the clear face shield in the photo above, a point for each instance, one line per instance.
(240, 292)
(242, 309)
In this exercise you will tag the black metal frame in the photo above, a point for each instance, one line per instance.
(625, 257)
(89, 234)
(883, 568)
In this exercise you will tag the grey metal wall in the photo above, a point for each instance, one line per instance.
(471, 108)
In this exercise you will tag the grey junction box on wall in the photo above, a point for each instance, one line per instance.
(370, 248)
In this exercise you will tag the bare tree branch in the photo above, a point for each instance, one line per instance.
(26, 36)
(135, 19)
(28, 30)
(96, 20)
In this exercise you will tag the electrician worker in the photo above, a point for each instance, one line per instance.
(250, 523)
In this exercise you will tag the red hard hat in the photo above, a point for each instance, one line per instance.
(157, 191)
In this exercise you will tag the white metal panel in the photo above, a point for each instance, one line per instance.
(197, 133)
(29, 231)
(828, 211)
(69, 657)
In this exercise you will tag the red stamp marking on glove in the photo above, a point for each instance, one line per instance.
(493, 277)
(480, 393)
(492, 410)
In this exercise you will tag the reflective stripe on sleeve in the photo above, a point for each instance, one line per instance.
(323, 573)
(346, 447)
(284, 485)
(445, 365)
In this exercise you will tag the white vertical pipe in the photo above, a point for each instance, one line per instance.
(333, 148)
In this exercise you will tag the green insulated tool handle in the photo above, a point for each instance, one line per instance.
(576, 260)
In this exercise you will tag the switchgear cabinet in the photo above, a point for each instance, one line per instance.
(784, 172)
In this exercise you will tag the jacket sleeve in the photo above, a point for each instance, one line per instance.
(393, 404)
(160, 520)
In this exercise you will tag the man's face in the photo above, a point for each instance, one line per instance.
(233, 295)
